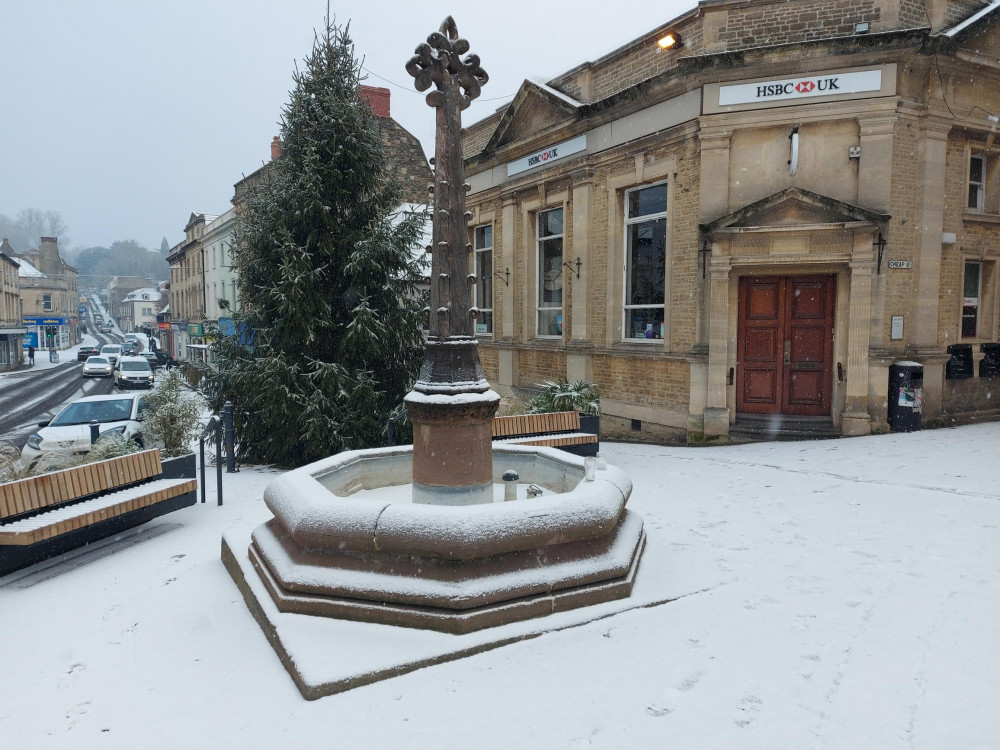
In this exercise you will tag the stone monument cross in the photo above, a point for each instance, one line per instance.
(451, 404)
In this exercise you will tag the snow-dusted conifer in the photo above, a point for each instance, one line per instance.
(329, 322)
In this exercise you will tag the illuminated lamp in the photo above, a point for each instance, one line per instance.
(670, 40)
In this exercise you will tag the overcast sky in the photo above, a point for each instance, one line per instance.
(126, 116)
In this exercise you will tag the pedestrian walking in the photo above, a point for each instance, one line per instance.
(31, 355)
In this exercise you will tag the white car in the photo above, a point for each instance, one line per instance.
(133, 372)
(69, 431)
(97, 367)
(112, 352)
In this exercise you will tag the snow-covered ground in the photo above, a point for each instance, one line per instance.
(42, 361)
(858, 603)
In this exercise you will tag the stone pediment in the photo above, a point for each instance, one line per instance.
(795, 207)
(536, 108)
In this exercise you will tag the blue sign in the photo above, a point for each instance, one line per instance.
(46, 321)
(81, 309)
(29, 339)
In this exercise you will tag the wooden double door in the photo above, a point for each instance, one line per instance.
(785, 345)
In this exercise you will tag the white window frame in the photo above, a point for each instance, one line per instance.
(627, 224)
(478, 253)
(979, 185)
(46, 301)
(540, 305)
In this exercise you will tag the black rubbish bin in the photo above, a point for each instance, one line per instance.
(906, 396)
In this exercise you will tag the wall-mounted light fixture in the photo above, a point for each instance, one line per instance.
(880, 243)
(706, 250)
(670, 40)
(793, 161)
(506, 281)
(577, 264)
(862, 28)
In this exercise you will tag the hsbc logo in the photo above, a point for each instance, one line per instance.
(790, 88)
(537, 159)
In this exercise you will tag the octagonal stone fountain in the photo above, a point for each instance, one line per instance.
(419, 536)
(332, 551)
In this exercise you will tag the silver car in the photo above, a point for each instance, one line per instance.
(97, 367)
(133, 372)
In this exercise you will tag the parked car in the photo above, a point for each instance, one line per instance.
(112, 352)
(133, 372)
(69, 431)
(97, 367)
(85, 352)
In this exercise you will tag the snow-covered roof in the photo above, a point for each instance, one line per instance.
(558, 94)
(143, 295)
(26, 269)
(972, 19)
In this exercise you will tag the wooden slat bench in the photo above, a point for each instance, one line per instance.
(52, 513)
(556, 430)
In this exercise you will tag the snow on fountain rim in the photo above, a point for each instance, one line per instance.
(416, 397)
(318, 519)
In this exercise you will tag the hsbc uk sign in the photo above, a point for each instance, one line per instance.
(548, 155)
(799, 88)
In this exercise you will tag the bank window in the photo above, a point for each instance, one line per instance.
(549, 246)
(482, 244)
(977, 182)
(972, 286)
(645, 262)
(984, 183)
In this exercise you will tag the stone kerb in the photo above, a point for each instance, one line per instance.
(313, 505)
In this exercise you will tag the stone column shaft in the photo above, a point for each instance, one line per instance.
(930, 225)
(856, 419)
(717, 409)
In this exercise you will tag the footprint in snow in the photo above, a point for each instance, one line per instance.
(748, 706)
(669, 702)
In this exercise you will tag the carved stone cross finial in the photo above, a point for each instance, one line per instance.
(439, 58)
(451, 405)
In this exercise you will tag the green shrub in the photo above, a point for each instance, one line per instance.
(172, 415)
(580, 395)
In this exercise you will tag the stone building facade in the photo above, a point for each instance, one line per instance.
(187, 290)
(405, 155)
(50, 297)
(741, 230)
(12, 328)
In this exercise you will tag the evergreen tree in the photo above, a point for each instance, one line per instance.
(329, 329)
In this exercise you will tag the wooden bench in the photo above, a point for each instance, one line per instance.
(52, 513)
(557, 430)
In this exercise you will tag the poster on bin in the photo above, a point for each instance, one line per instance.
(911, 398)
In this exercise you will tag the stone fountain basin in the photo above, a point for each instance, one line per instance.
(313, 504)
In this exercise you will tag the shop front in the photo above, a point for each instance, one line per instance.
(49, 333)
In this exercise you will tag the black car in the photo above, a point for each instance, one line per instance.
(87, 351)
(153, 359)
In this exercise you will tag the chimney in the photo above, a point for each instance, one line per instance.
(49, 262)
(275, 147)
(377, 99)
